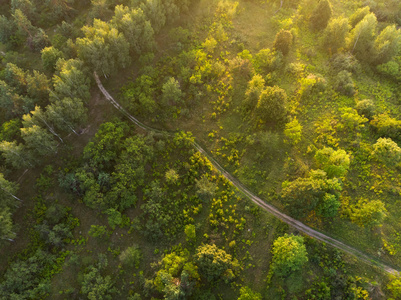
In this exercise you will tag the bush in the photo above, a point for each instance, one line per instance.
(289, 254)
(387, 126)
(344, 84)
(283, 41)
(321, 15)
(132, 256)
(272, 105)
(366, 108)
(386, 150)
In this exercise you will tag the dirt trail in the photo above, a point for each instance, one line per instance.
(258, 201)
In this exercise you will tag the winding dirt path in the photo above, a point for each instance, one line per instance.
(258, 201)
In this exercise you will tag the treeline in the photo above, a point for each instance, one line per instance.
(35, 111)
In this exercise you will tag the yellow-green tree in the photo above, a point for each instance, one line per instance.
(289, 254)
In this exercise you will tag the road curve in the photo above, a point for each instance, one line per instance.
(258, 201)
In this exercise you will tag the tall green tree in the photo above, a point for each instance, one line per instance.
(67, 114)
(16, 155)
(334, 162)
(39, 141)
(362, 37)
(7, 29)
(272, 105)
(15, 77)
(50, 56)
(321, 15)
(25, 6)
(387, 44)
(358, 15)
(103, 48)
(38, 86)
(289, 254)
(38, 117)
(283, 41)
(136, 28)
(303, 195)
(335, 34)
(70, 80)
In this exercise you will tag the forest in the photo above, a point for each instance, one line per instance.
(200, 149)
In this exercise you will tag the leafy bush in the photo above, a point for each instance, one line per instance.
(344, 83)
(132, 256)
(386, 150)
(289, 254)
(215, 263)
(366, 108)
(387, 126)
(283, 41)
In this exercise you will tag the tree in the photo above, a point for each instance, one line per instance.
(67, 114)
(39, 118)
(190, 232)
(97, 231)
(38, 140)
(266, 61)
(60, 8)
(283, 41)
(136, 28)
(16, 155)
(395, 287)
(132, 256)
(172, 176)
(155, 12)
(366, 108)
(7, 100)
(15, 77)
(25, 6)
(23, 278)
(358, 15)
(171, 92)
(70, 81)
(103, 48)
(344, 83)
(334, 162)
(205, 188)
(306, 194)
(7, 29)
(215, 263)
(387, 126)
(272, 105)
(252, 94)
(293, 131)
(335, 34)
(386, 150)
(38, 86)
(368, 213)
(387, 44)
(321, 15)
(362, 37)
(97, 287)
(289, 254)
(50, 56)
(247, 294)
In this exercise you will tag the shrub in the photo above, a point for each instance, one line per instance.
(366, 108)
(344, 83)
(132, 256)
(283, 41)
(386, 150)
(387, 126)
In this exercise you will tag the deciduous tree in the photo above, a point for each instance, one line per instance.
(289, 254)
